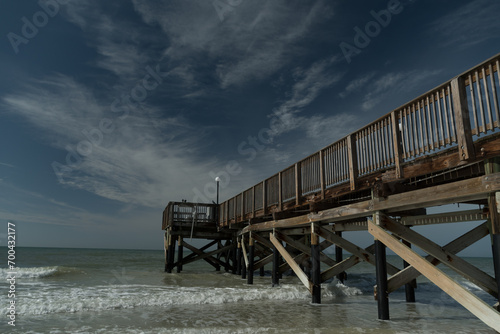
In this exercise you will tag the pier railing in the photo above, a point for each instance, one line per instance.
(182, 212)
(451, 116)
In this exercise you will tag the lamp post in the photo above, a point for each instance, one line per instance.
(217, 179)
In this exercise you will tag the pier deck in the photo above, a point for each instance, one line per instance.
(441, 148)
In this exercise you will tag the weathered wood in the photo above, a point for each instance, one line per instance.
(398, 144)
(251, 250)
(315, 270)
(381, 269)
(289, 259)
(454, 262)
(460, 191)
(409, 273)
(467, 299)
(344, 265)
(209, 256)
(353, 160)
(461, 109)
(445, 218)
(352, 248)
(298, 184)
(303, 248)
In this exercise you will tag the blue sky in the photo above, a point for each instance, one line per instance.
(111, 109)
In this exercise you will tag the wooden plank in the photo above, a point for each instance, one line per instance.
(303, 248)
(397, 142)
(464, 268)
(244, 250)
(291, 262)
(352, 248)
(207, 256)
(410, 273)
(298, 184)
(460, 191)
(467, 299)
(444, 218)
(344, 265)
(322, 173)
(463, 128)
(353, 160)
(340, 267)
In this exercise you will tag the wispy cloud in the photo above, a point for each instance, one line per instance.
(145, 160)
(394, 82)
(7, 165)
(469, 25)
(254, 41)
(356, 84)
(309, 84)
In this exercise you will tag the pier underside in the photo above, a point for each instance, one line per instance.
(441, 148)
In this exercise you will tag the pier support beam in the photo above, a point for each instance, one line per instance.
(493, 166)
(316, 270)
(245, 264)
(180, 251)
(276, 267)
(166, 243)
(410, 286)
(339, 257)
(251, 250)
(381, 269)
(456, 291)
(239, 256)
(171, 255)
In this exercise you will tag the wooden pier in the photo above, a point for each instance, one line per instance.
(441, 148)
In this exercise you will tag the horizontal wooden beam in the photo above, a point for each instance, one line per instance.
(460, 191)
(467, 299)
(443, 218)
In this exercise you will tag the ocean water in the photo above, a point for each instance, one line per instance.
(127, 291)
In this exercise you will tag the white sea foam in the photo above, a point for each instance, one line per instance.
(34, 272)
(337, 289)
(70, 300)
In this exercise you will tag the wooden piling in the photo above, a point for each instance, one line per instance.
(251, 250)
(381, 269)
(276, 265)
(239, 257)
(316, 269)
(180, 251)
(339, 257)
(409, 287)
(493, 166)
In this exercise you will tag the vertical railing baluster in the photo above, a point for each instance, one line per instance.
(396, 141)
(473, 104)
(481, 103)
(322, 173)
(430, 139)
(298, 184)
(461, 109)
(353, 161)
(489, 125)
(494, 93)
